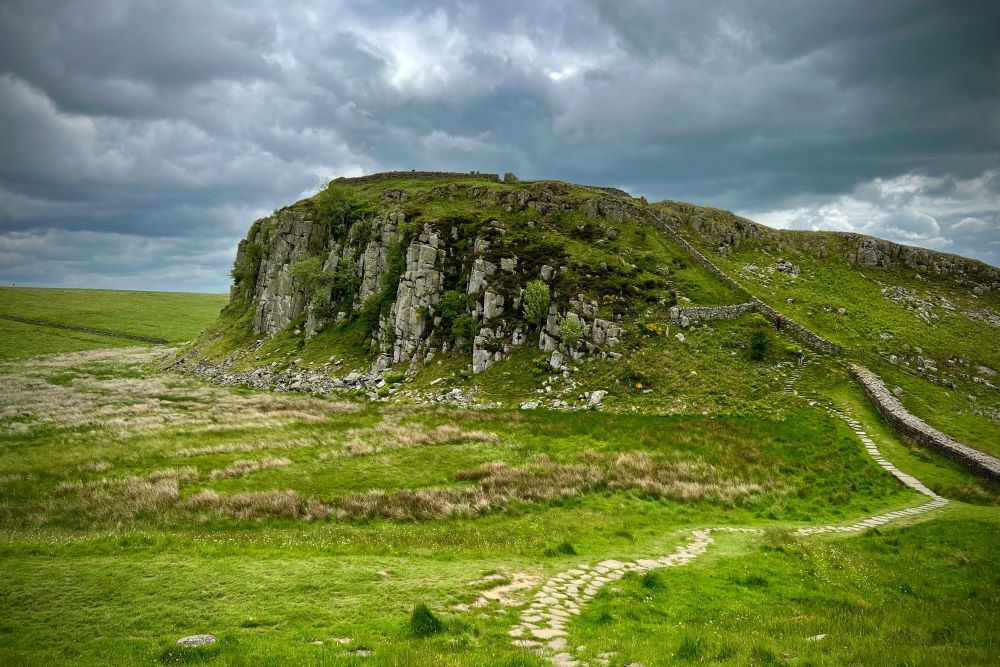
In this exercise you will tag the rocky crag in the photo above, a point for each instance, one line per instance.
(386, 262)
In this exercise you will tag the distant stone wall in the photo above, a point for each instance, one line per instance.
(917, 429)
(710, 312)
(90, 330)
(695, 253)
(421, 175)
(787, 324)
(791, 326)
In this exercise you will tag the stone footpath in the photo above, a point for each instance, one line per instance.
(542, 626)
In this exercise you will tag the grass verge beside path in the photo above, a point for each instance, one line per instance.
(816, 601)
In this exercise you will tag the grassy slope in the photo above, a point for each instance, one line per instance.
(760, 603)
(955, 342)
(175, 316)
(269, 588)
(25, 340)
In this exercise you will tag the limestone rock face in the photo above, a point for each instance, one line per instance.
(481, 270)
(276, 298)
(442, 255)
(418, 295)
(373, 260)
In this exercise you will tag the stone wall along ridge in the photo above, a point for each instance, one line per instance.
(797, 330)
(695, 313)
(920, 431)
(421, 175)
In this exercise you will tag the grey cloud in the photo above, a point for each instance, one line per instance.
(154, 120)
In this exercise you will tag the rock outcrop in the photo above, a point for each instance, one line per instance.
(298, 269)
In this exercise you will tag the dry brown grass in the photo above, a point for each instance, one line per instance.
(109, 500)
(500, 485)
(245, 467)
(248, 446)
(250, 505)
(91, 399)
(390, 434)
(99, 465)
(679, 480)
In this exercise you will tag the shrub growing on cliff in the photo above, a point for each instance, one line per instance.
(346, 282)
(245, 272)
(452, 305)
(536, 302)
(333, 207)
(571, 330)
(310, 277)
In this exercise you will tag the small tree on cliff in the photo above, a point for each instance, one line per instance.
(536, 302)
(571, 330)
(314, 282)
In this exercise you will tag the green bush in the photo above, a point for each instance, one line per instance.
(463, 329)
(395, 378)
(537, 298)
(452, 305)
(571, 330)
(760, 345)
(333, 208)
(309, 276)
(423, 622)
(346, 283)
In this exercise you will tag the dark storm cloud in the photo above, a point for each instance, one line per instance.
(157, 131)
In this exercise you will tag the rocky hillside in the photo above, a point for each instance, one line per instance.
(423, 283)
(419, 264)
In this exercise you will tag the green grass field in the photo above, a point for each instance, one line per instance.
(139, 506)
(174, 316)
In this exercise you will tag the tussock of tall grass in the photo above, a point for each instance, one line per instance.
(246, 447)
(389, 435)
(245, 467)
(112, 500)
(100, 465)
(500, 485)
(109, 499)
(250, 505)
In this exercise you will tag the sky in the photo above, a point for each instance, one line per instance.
(139, 139)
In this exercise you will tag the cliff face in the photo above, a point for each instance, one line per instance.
(391, 260)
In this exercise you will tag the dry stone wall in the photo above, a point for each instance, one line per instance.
(797, 330)
(421, 175)
(693, 313)
(917, 429)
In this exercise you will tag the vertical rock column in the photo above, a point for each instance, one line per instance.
(419, 295)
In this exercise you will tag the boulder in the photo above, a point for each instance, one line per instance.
(197, 640)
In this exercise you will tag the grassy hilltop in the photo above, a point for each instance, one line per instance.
(388, 523)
